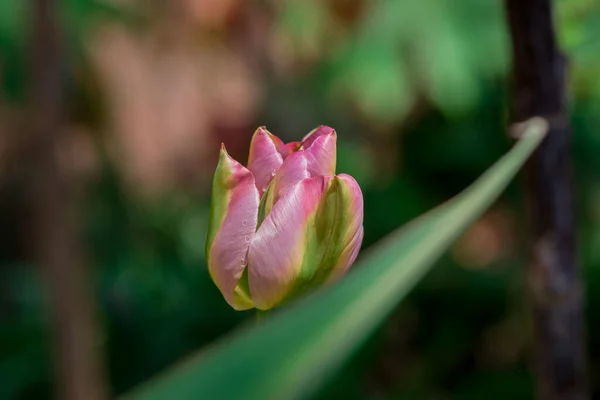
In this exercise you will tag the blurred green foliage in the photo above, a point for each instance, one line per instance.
(417, 91)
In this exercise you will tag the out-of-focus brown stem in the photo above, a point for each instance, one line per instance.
(554, 284)
(77, 362)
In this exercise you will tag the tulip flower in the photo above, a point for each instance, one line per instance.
(284, 225)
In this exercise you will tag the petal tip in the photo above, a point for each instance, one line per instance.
(324, 130)
(262, 130)
(327, 131)
(224, 156)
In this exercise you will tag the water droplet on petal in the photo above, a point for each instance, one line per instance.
(247, 239)
(243, 262)
(244, 222)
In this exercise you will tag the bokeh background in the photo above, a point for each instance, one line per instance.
(417, 91)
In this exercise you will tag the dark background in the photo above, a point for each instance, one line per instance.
(417, 91)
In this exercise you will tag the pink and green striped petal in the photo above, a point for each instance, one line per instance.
(352, 232)
(233, 220)
(264, 159)
(277, 250)
(335, 235)
(312, 235)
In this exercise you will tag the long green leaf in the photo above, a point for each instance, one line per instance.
(290, 356)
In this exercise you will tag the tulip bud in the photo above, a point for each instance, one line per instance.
(284, 225)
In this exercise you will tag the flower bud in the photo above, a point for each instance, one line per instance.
(284, 225)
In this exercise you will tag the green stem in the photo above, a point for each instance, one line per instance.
(261, 316)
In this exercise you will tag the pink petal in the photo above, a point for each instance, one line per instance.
(288, 148)
(293, 170)
(264, 159)
(277, 249)
(320, 155)
(292, 147)
(236, 191)
(313, 135)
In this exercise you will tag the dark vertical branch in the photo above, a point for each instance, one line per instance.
(539, 71)
(55, 242)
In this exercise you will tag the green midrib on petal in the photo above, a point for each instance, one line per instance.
(266, 203)
(325, 239)
(219, 201)
(242, 290)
